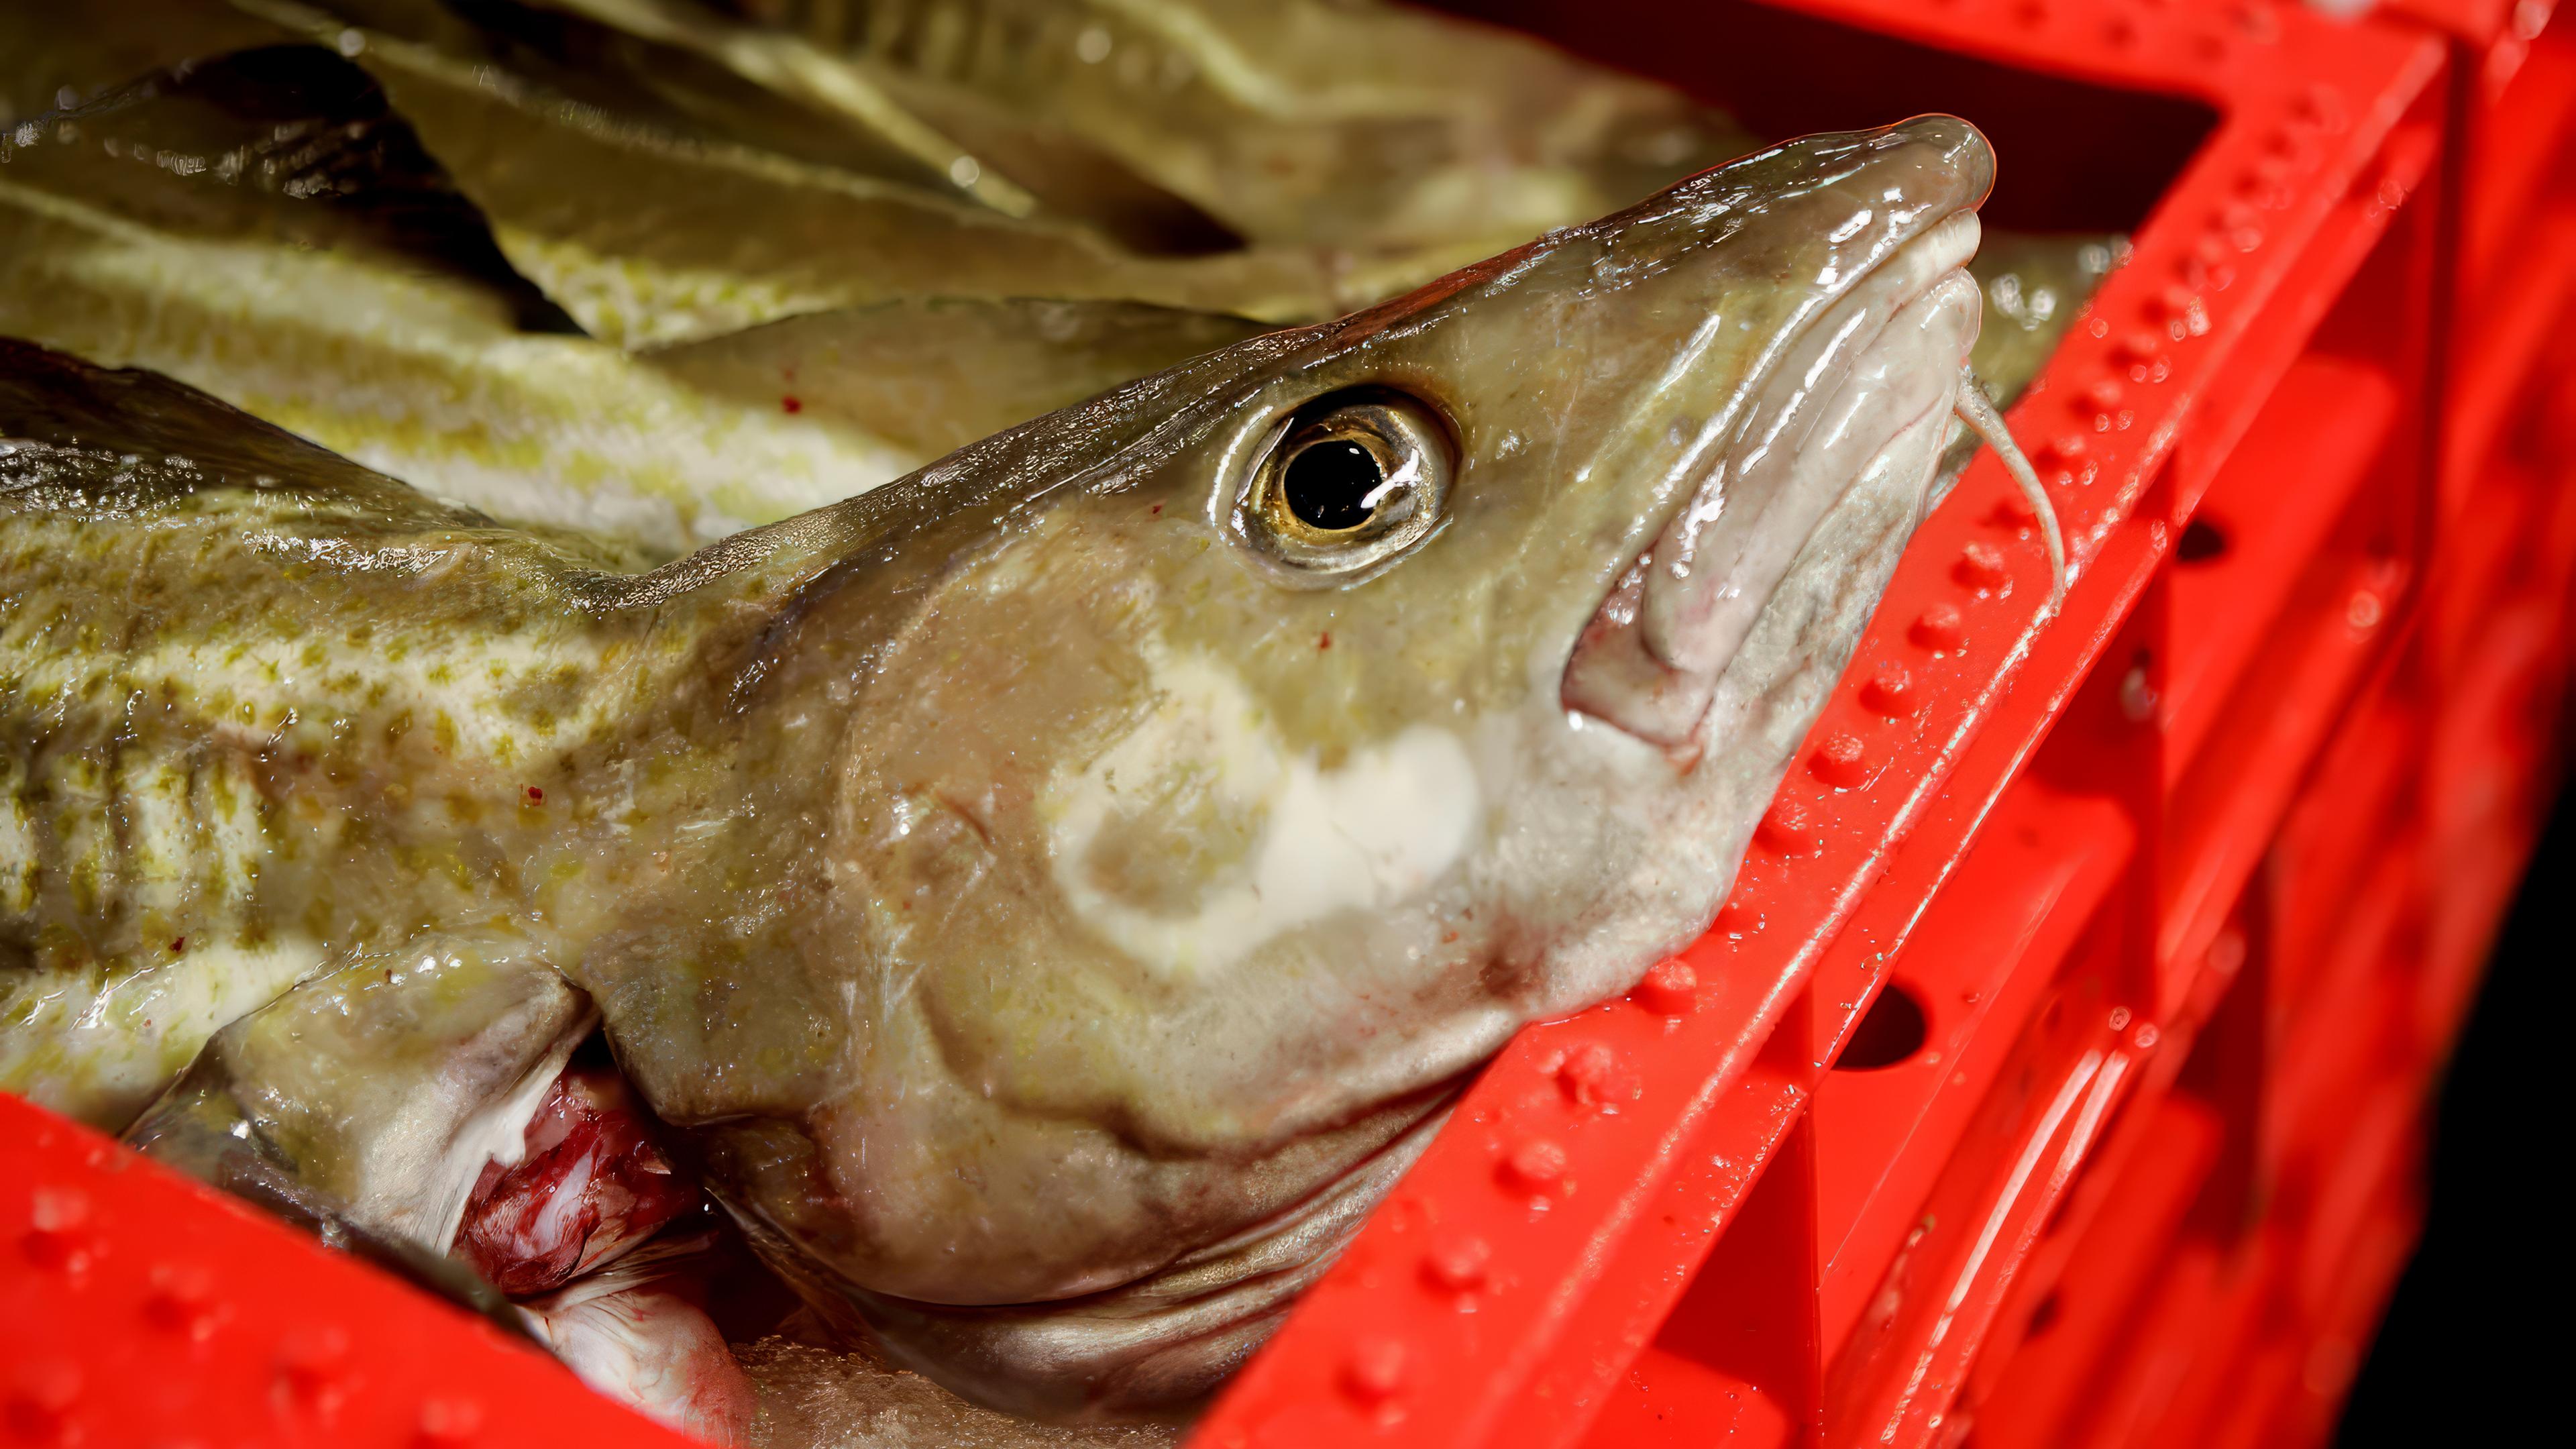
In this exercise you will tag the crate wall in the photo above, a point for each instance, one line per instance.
(2054, 997)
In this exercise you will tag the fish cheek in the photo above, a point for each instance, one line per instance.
(1177, 838)
(1032, 661)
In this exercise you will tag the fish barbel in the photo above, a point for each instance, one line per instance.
(1050, 897)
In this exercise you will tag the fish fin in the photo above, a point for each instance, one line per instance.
(73, 423)
(290, 143)
(373, 1093)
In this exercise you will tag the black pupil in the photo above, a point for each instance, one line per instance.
(1329, 484)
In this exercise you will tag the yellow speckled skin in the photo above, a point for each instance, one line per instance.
(292, 252)
(856, 829)
(248, 723)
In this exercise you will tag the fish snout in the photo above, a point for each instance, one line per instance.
(1854, 395)
(1949, 144)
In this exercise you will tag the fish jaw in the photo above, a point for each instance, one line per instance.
(1868, 390)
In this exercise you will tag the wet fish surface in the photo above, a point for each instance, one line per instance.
(190, 220)
(296, 185)
(1048, 898)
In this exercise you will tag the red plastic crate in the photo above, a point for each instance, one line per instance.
(140, 1308)
(2146, 1175)
(1852, 1294)
(2376, 900)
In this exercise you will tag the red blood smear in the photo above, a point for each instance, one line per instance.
(591, 1186)
(791, 404)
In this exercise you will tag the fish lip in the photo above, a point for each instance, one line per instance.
(1681, 738)
(1758, 387)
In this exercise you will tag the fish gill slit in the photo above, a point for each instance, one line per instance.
(1977, 410)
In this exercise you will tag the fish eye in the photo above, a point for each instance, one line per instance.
(1345, 485)
(1333, 484)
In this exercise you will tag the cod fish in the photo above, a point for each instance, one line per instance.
(258, 224)
(254, 218)
(617, 150)
(1047, 899)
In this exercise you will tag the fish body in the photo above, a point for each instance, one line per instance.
(1360, 127)
(261, 226)
(265, 224)
(616, 144)
(629, 214)
(1048, 898)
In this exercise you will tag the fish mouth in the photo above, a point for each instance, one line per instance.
(1863, 391)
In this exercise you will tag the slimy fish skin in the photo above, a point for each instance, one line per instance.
(541, 291)
(260, 225)
(1048, 897)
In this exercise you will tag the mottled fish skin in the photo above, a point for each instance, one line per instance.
(1358, 187)
(1358, 126)
(194, 221)
(252, 695)
(329, 284)
(698, 73)
(637, 228)
(440, 396)
(933, 374)
(1332, 123)
(1052, 896)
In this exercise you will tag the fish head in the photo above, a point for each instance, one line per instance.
(1304, 721)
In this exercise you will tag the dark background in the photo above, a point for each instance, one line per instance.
(2472, 1350)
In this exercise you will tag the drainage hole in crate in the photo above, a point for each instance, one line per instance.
(2201, 541)
(2043, 1317)
(1892, 1031)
